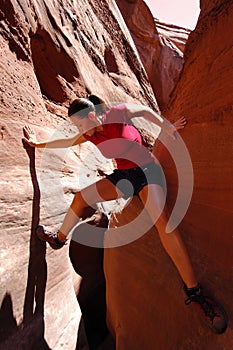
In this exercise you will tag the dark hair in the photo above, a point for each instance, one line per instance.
(99, 103)
(81, 106)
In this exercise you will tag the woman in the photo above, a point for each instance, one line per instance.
(112, 132)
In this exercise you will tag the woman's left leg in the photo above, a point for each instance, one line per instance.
(153, 199)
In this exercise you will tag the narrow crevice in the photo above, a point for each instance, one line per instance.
(88, 263)
(110, 61)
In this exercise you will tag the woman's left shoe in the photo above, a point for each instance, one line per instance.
(49, 237)
(214, 314)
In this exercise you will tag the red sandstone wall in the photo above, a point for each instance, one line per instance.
(145, 298)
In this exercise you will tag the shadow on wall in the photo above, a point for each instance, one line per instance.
(29, 334)
(54, 68)
(88, 263)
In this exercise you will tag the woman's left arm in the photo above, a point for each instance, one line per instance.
(149, 114)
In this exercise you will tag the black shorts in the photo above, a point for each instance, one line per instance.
(131, 181)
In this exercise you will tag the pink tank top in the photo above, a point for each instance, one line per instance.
(120, 140)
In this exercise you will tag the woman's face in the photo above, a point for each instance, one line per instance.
(85, 125)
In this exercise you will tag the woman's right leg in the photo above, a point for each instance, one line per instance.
(152, 196)
(100, 191)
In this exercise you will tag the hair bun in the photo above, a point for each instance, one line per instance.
(95, 99)
(98, 102)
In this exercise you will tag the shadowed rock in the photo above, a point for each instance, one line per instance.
(88, 263)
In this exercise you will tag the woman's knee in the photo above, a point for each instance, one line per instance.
(78, 203)
(162, 220)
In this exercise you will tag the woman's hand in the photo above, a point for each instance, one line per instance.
(30, 136)
(171, 129)
(180, 123)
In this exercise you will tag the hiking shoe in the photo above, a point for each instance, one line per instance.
(49, 237)
(214, 314)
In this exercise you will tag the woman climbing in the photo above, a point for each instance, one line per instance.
(115, 136)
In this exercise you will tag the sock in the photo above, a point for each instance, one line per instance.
(61, 237)
(193, 290)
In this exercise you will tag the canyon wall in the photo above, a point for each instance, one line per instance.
(160, 47)
(51, 52)
(144, 291)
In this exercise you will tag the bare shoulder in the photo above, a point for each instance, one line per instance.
(78, 139)
(135, 110)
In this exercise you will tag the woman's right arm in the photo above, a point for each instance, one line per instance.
(31, 139)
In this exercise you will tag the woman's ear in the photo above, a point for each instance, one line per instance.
(92, 116)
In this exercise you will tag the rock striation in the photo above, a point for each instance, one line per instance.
(177, 35)
(160, 47)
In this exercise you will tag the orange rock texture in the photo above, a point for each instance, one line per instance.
(51, 52)
(160, 47)
(144, 291)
